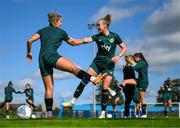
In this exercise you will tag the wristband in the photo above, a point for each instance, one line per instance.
(82, 41)
(120, 56)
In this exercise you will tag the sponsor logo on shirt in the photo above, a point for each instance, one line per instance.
(106, 47)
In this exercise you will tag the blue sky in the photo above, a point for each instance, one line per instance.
(148, 26)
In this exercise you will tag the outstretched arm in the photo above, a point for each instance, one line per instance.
(29, 44)
(75, 42)
(17, 92)
(121, 53)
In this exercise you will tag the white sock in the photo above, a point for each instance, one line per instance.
(92, 78)
(103, 112)
(73, 100)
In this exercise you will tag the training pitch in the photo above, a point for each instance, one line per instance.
(89, 123)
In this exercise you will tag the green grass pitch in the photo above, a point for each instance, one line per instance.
(90, 123)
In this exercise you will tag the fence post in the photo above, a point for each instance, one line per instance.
(179, 109)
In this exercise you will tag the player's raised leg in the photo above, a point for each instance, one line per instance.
(79, 89)
(66, 65)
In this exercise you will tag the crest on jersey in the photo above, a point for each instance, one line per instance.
(111, 40)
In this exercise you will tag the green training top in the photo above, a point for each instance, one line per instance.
(142, 70)
(29, 93)
(51, 39)
(9, 92)
(168, 87)
(106, 46)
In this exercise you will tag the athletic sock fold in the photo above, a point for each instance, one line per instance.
(84, 76)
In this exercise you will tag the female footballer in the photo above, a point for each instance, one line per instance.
(105, 59)
(29, 96)
(8, 97)
(166, 90)
(51, 38)
(140, 65)
(131, 91)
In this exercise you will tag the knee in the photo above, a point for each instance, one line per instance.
(106, 85)
(74, 69)
(49, 89)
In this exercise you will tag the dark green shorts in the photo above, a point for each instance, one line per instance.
(47, 63)
(8, 100)
(136, 95)
(100, 68)
(141, 85)
(166, 96)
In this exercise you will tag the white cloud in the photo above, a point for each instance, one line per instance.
(1, 91)
(66, 95)
(160, 44)
(1, 84)
(151, 92)
(164, 20)
(117, 13)
(58, 74)
(162, 35)
(21, 83)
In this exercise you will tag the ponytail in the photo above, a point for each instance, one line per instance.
(10, 83)
(107, 20)
(140, 55)
(53, 17)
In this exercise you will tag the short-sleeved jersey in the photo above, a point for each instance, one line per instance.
(29, 93)
(51, 39)
(9, 92)
(168, 87)
(106, 46)
(142, 70)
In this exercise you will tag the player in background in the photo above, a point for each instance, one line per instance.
(116, 99)
(29, 92)
(166, 89)
(105, 60)
(9, 90)
(131, 91)
(51, 38)
(140, 65)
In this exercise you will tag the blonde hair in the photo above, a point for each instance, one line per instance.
(53, 17)
(107, 20)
